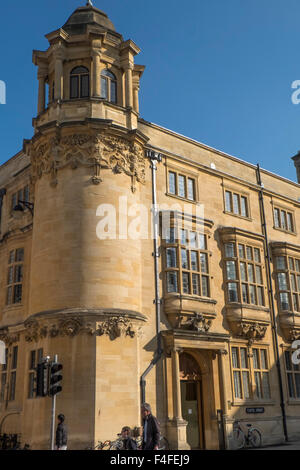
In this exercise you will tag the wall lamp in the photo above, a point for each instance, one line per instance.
(22, 205)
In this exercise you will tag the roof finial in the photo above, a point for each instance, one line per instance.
(89, 2)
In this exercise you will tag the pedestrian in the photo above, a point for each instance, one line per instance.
(61, 433)
(128, 442)
(151, 432)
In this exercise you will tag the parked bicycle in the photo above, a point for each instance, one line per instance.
(246, 436)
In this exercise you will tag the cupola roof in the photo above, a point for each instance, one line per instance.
(88, 15)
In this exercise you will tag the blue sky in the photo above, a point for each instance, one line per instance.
(217, 71)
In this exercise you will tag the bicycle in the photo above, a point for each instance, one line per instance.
(100, 446)
(241, 440)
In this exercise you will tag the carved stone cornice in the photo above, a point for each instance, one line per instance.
(196, 322)
(113, 324)
(97, 150)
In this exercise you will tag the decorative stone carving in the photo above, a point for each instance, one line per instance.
(114, 327)
(7, 337)
(292, 334)
(251, 331)
(198, 322)
(97, 151)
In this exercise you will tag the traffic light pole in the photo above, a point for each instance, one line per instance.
(53, 412)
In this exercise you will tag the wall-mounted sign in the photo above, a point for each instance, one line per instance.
(255, 410)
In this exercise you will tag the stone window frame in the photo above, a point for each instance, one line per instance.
(13, 373)
(286, 211)
(178, 246)
(79, 84)
(15, 261)
(34, 357)
(188, 175)
(4, 377)
(9, 373)
(252, 372)
(22, 194)
(293, 371)
(238, 281)
(241, 194)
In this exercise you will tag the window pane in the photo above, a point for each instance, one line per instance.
(246, 387)
(283, 219)
(297, 383)
(9, 296)
(183, 237)
(242, 251)
(31, 385)
(276, 218)
(298, 283)
(291, 385)
(229, 250)
(184, 259)
(282, 281)
(205, 291)
(244, 209)
(232, 292)
(113, 92)
(204, 263)
(74, 88)
(185, 283)
(172, 281)
(290, 222)
(171, 258)
(193, 239)
(284, 301)
(19, 273)
(228, 206)
(280, 262)
(288, 363)
(194, 261)
(244, 359)
(10, 276)
(263, 359)
(230, 270)
(170, 235)
(297, 262)
(32, 360)
(243, 271)
(252, 293)
(249, 253)
(104, 89)
(3, 383)
(260, 293)
(26, 194)
(202, 241)
(236, 204)
(12, 386)
(265, 385)
(14, 357)
(237, 384)
(181, 186)
(291, 264)
(172, 182)
(295, 302)
(17, 293)
(20, 254)
(196, 284)
(11, 258)
(245, 293)
(258, 388)
(258, 274)
(255, 358)
(257, 255)
(85, 86)
(191, 189)
(250, 273)
(235, 358)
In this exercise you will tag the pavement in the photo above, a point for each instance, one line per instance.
(294, 445)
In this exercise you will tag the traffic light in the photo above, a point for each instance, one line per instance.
(55, 378)
(42, 379)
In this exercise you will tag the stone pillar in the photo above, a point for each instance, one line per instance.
(176, 384)
(96, 91)
(59, 75)
(136, 98)
(128, 86)
(2, 194)
(223, 391)
(41, 96)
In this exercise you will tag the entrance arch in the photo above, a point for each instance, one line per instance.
(192, 400)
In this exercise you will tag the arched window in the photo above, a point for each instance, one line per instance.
(108, 86)
(79, 83)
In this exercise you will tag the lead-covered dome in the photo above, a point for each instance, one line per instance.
(88, 15)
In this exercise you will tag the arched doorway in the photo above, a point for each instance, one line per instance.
(192, 400)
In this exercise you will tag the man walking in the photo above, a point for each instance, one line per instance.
(61, 434)
(151, 433)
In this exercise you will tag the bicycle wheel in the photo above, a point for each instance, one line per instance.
(163, 444)
(255, 438)
(238, 439)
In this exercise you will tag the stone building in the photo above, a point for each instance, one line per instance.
(202, 325)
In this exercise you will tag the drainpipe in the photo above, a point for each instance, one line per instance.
(154, 158)
(271, 296)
